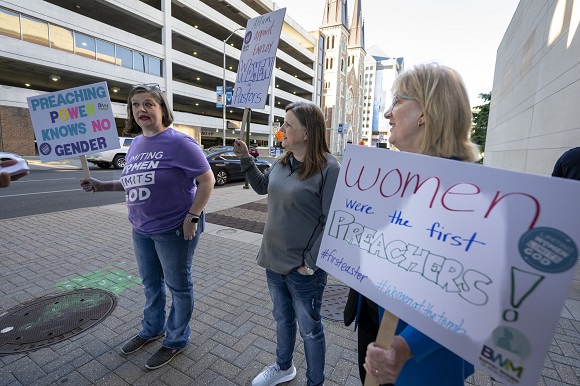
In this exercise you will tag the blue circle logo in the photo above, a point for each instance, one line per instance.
(45, 148)
(248, 37)
(548, 250)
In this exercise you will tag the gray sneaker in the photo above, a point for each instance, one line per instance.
(272, 375)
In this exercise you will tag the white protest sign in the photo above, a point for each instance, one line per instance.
(257, 59)
(477, 258)
(73, 122)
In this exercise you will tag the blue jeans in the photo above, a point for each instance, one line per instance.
(299, 297)
(166, 259)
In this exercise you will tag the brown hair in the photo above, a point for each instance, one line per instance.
(312, 118)
(442, 96)
(131, 127)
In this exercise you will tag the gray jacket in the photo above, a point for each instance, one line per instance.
(297, 211)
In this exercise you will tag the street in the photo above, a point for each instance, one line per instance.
(47, 190)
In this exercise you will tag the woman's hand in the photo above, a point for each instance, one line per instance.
(92, 185)
(240, 149)
(384, 366)
(189, 229)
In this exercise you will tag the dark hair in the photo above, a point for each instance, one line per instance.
(131, 127)
(312, 118)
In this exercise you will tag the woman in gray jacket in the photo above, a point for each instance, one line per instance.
(300, 185)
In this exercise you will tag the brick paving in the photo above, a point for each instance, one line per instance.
(233, 332)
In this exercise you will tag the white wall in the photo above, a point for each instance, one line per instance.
(535, 105)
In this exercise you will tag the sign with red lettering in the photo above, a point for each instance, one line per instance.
(257, 59)
(73, 122)
(479, 259)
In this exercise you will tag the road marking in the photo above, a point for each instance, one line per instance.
(30, 194)
(48, 179)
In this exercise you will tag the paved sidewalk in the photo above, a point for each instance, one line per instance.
(233, 333)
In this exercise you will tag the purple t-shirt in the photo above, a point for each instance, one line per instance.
(158, 179)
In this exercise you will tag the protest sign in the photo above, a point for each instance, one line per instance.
(477, 258)
(257, 60)
(73, 122)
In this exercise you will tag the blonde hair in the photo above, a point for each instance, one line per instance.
(312, 118)
(442, 96)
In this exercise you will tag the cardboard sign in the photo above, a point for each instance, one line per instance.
(73, 122)
(257, 60)
(477, 258)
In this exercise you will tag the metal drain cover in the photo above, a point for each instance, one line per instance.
(333, 302)
(52, 319)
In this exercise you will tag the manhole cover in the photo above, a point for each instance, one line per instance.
(227, 232)
(333, 302)
(52, 319)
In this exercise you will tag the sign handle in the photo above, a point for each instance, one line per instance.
(384, 338)
(85, 165)
(244, 124)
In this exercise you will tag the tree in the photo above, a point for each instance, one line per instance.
(480, 117)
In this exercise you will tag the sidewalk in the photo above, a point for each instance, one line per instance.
(233, 333)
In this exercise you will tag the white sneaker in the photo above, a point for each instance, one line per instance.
(272, 375)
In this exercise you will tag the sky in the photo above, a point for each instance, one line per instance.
(461, 34)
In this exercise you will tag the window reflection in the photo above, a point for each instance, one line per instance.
(124, 57)
(61, 39)
(85, 45)
(154, 66)
(34, 31)
(105, 51)
(9, 24)
(29, 29)
(140, 62)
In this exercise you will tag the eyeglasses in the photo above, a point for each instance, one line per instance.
(397, 98)
(146, 85)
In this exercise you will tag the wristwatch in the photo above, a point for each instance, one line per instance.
(309, 271)
(192, 218)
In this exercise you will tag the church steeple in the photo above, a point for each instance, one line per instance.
(335, 13)
(357, 28)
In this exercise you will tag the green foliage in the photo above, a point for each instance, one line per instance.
(480, 117)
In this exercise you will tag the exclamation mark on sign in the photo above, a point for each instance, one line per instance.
(523, 284)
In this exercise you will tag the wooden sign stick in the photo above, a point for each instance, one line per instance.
(244, 124)
(384, 338)
(85, 165)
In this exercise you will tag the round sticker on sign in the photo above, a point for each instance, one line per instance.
(248, 37)
(548, 249)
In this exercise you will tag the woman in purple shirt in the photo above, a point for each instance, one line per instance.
(165, 206)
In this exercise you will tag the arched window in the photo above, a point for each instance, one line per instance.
(341, 65)
(331, 63)
(332, 41)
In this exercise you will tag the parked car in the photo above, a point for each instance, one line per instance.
(115, 157)
(225, 165)
(253, 150)
(4, 156)
(16, 169)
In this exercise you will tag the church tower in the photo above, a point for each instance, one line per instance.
(334, 76)
(355, 103)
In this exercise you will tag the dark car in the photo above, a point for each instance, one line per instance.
(253, 150)
(225, 165)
